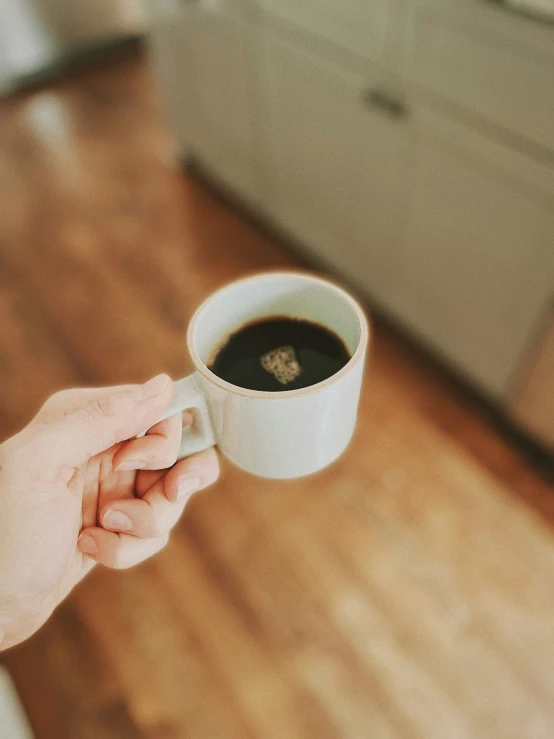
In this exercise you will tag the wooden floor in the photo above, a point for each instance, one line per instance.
(406, 592)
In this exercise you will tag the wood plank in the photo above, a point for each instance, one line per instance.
(235, 653)
(87, 703)
(438, 569)
(28, 340)
(176, 695)
(297, 635)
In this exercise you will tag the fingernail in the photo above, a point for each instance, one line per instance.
(87, 545)
(188, 486)
(154, 387)
(117, 521)
(131, 464)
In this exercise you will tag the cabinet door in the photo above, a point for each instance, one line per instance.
(490, 62)
(493, 63)
(333, 167)
(356, 25)
(203, 57)
(476, 266)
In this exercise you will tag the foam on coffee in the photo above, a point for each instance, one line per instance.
(282, 363)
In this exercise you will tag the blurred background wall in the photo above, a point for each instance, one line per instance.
(39, 36)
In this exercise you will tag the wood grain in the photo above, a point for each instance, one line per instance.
(406, 592)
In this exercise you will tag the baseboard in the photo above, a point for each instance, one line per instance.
(75, 61)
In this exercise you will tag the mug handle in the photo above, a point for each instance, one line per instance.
(187, 396)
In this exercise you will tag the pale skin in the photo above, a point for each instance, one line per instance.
(77, 488)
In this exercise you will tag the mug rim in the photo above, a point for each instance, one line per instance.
(358, 355)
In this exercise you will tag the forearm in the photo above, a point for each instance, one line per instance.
(24, 607)
(26, 601)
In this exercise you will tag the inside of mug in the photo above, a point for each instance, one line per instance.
(298, 296)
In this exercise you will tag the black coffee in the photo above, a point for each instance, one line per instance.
(280, 353)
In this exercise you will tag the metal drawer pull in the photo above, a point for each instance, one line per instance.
(391, 106)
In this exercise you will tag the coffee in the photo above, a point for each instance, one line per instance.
(280, 353)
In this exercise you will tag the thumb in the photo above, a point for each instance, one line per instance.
(105, 421)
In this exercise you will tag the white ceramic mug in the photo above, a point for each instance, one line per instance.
(272, 434)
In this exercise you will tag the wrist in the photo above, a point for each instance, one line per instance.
(20, 618)
(9, 626)
(15, 631)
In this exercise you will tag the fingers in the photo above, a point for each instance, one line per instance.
(204, 465)
(149, 519)
(109, 419)
(66, 401)
(141, 525)
(155, 513)
(118, 551)
(155, 451)
(189, 475)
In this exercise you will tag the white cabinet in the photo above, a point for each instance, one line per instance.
(203, 54)
(488, 62)
(409, 144)
(475, 266)
(448, 230)
(333, 163)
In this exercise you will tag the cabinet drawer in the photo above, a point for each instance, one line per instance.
(476, 265)
(335, 163)
(203, 60)
(173, 9)
(498, 66)
(356, 25)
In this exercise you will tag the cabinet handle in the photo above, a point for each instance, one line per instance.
(391, 106)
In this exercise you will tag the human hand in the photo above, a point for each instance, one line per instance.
(71, 494)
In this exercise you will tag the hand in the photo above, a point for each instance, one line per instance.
(71, 495)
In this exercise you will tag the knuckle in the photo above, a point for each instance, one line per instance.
(117, 559)
(216, 470)
(159, 544)
(156, 528)
(113, 411)
(117, 563)
(106, 406)
(205, 465)
(211, 466)
(57, 399)
(53, 400)
(54, 407)
(60, 395)
(170, 457)
(162, 456)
